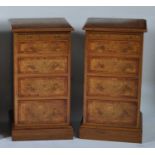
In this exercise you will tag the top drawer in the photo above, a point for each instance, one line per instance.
(115, 44)
(42, 43)
(110, 36)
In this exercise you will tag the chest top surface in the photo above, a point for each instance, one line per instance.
(115, 24)
(40, 24)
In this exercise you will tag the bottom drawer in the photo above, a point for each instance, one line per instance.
(42, 111)
(111, 113)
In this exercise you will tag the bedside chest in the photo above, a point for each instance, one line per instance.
(112, 79)
(42, 59)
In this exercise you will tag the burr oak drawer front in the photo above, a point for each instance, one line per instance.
(42, 111)
(42, 86)
(42, 65)
(113, 47)
(112, 65)
(112, 87)
(111, 113)
(113, 36)
(42, 44)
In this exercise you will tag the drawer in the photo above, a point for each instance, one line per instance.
(42, 65)
(42, 86)
(112, 87)
(42, 111)
(113, 47)
(111, 65)
(41, 44)
(41, 36)
(118, 113)
(109, 36)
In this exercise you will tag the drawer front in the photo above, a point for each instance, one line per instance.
(113, 65)
(41, 36)
(42, 65)
(41, 44)
(38, 47)
(42, 111)
(42, 87)
(119, 113)
(112, 87)
(108, 36)
(113, 47)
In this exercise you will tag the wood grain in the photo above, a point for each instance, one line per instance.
(43, 134)
(42, 111)
(112, 113)
(115, 36)
(105, 65)
(111, 134)
(40, 24)
(112, 79)
(111, 87)
(41, 79)
(42, 87)
(42, 65)
(113, 47)
(116, 24)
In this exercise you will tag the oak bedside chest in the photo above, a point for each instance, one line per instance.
(112, 80)
(42, 59)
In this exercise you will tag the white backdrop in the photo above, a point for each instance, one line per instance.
(77, 16)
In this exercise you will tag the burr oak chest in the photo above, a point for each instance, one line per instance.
(41, 49)
(112, 79)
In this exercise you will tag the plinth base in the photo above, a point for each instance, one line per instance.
(43, 134)
(133, 135)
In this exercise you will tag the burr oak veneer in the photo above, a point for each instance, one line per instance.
(112, 80)
(41, 79)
